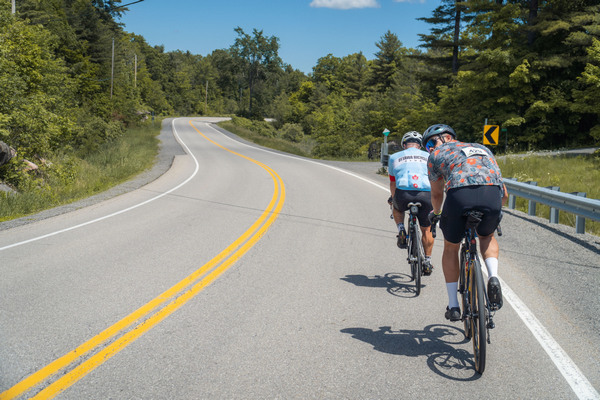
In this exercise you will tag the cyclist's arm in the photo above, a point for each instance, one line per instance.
(437, 195)
(392, 185)
(504, 195)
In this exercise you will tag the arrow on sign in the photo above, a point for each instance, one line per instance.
(490, 133)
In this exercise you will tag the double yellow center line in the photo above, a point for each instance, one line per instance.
(76, 364)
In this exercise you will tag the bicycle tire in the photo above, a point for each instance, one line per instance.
(418, 266)
(413, 260)
(464, 291)
(409, 243)
(421, 254)
(479, 317)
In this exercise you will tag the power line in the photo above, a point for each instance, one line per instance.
(125, 5)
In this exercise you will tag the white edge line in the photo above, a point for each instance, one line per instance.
(579, 383)
(309, 161)
(121, 211)
(572, 374)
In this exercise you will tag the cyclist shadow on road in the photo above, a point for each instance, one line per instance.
(436, 342)
(397, 284)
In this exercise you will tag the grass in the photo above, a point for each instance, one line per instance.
(303, 148)
(70, 178)
(571, 174)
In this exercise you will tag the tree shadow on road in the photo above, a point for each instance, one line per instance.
(397, 284)
(436, 342)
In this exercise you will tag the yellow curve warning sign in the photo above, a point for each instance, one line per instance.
(490, 134)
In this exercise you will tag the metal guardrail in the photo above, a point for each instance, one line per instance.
(575, 203)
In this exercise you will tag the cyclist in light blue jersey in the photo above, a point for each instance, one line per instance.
(409, 182)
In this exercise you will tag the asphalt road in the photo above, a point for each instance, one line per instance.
(248, 274)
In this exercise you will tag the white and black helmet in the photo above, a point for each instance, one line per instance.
(412, 136)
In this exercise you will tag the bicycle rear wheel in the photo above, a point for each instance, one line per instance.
(415, 264)
(464, 291)
(478, 321)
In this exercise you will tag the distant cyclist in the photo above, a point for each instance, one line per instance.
(409, 183)
(472, 180)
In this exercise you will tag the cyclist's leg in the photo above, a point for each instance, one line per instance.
(452, 225)
(398, 216)
(490, 198)
(490, 251)
(450, 262)
(450, 268)
(427, 241)
(425, 199)
(398, 210)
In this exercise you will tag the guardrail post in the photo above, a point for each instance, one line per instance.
(512, 199)
(579, 221)
(532, 204)
(553, 211)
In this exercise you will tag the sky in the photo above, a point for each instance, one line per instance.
(307, 29)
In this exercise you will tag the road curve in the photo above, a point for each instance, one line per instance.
(245, 273)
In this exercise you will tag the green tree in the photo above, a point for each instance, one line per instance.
(388, 60)
(257, 56)
(587, 96)
(445, 36)
(327, 72)
(37, 94)
(354, 70)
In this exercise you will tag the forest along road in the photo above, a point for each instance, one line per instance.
(246, 273)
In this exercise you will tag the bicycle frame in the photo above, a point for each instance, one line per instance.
(415, 246)
(467, 267)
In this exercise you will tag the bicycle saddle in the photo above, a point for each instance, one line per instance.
(473, 218)
(414, 207)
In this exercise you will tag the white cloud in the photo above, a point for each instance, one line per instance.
(410, 1)
(345, 4)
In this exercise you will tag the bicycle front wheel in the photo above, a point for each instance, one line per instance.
(478, 321)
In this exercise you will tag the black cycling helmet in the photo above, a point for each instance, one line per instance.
(412, 136)
(437, 129)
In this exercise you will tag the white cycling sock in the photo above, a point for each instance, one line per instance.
(492, 266)
(400, 226)
(452, 288)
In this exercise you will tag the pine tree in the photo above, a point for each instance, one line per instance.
(388, 61)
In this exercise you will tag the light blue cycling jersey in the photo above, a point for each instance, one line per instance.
(409, 169)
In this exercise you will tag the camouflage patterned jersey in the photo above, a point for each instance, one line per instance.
(463, 164)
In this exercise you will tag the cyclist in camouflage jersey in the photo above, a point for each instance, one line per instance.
(470, 176)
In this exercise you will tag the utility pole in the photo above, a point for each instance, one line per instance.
(135, 71)
(112, 69)
(206, 98)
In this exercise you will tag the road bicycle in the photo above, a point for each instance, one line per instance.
(477, 311)
(416, 254)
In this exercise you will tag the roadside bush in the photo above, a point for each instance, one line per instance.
(292, 132)
(263, 128)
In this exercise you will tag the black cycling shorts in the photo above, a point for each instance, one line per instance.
(487, 199)
(403, 197)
